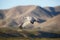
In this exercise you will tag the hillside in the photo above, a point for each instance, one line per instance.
(47, 18)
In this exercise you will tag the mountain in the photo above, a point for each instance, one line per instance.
(47, 18)
(51, 25)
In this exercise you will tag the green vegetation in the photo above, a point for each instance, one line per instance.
(23, 32)
(18, 38)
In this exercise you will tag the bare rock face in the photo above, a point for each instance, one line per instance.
(28, 22)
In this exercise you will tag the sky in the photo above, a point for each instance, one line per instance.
(6, 4)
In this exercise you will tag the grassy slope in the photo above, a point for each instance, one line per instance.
(29, 38)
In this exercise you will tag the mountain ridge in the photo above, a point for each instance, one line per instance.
(18, 13)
